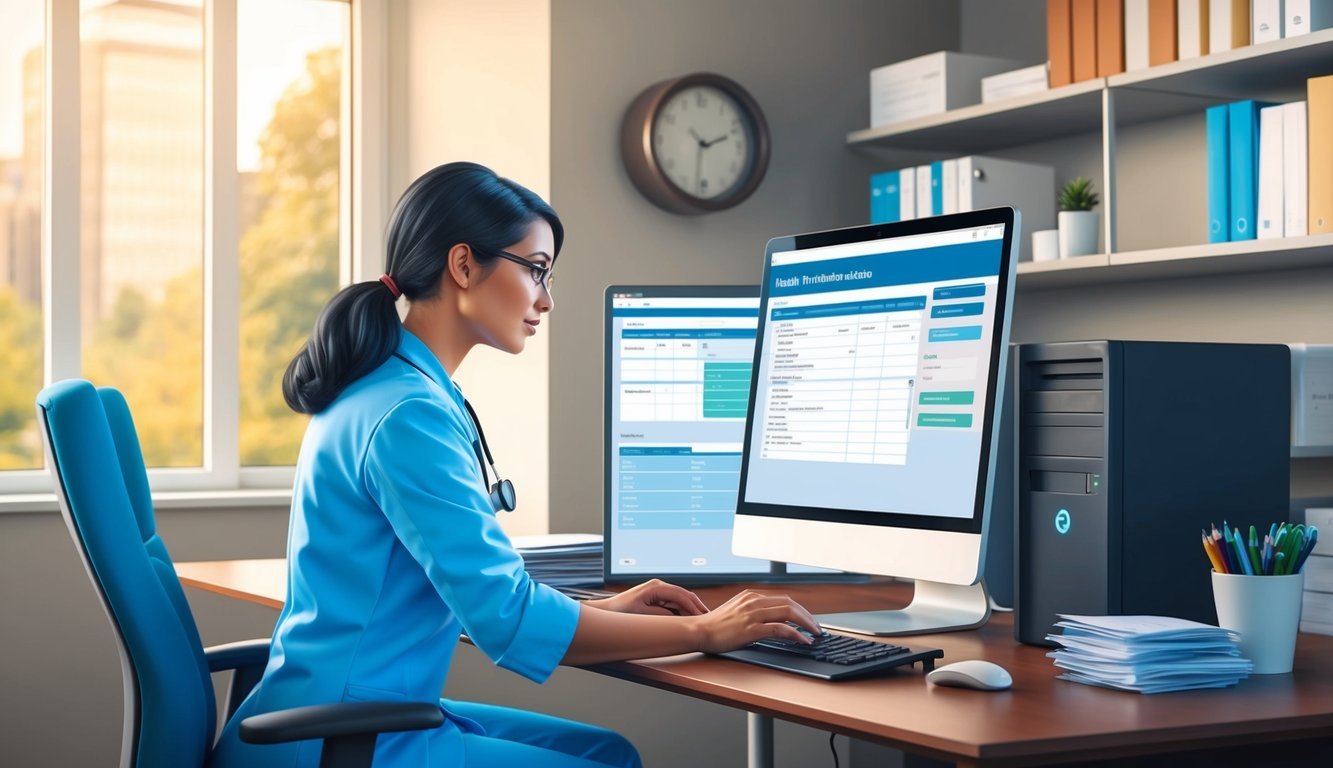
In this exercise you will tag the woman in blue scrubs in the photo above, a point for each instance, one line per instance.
(394, 547)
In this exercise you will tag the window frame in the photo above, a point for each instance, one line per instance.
(363, 210)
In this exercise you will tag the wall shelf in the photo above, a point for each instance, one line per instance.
(1181, 262)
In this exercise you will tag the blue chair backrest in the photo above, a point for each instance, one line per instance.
(92, 450)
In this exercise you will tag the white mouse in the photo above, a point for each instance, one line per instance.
(976, 674)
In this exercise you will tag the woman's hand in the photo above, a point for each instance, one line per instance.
(653, 597)
(751, 616)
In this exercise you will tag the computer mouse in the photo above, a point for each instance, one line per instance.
(977, 674)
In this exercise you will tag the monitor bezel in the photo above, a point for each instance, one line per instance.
(969, 525)
(777, 571)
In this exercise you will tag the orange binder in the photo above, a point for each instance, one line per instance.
(1110, 37)
(1319, 108)
(1161, 32)
(1058, 37)
(1084, 29)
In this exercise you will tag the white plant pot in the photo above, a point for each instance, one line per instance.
(1078, 233)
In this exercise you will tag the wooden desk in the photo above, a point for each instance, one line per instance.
(1041, 720)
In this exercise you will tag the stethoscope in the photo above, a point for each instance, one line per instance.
(502, 491)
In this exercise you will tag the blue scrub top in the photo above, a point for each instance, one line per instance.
(394, 549)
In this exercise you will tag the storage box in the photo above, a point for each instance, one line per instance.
(929, 85)
(1311, 400)
(1018, 82)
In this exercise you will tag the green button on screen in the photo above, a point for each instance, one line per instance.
(946, 398)
(944, 420)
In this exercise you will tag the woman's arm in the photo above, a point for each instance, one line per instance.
(607, 635)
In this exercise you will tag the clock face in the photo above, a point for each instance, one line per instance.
(701, 142)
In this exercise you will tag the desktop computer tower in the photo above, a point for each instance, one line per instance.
(1127, 450)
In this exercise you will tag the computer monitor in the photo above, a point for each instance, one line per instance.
(678, 361)
(870, 441)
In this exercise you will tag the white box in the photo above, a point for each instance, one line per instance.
(929, 85)
(1312, 399)
(1321, 518)
(1317, 612)
(986, 182)
(1019, 82)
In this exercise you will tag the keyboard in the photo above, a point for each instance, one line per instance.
(834, 657)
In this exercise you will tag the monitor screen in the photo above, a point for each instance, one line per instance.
(872, 419)
(677, 370)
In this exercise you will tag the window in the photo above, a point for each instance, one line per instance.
(212, 198)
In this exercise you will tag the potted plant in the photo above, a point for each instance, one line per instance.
(1077, 221)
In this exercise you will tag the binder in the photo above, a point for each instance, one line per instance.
(1295, 159)
(949, 186)
(1059, 41)
(1301, 17)
(1084, 41)
(884, 191)
(985, 182)
(1161, 32)
(1265, 21)
(1319, 179)
(1110, 37)
(1228, 24)
(1219, 188)
(1243, 137)
(907, 194)
(1191, 28)
(936, 188)
(1136, 34)
(1271, 219)
(924, 200)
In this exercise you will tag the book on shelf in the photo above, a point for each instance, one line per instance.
(1271, 218)
(1161, 32)
(1295, 162)
(1059, 41)
(1083, 28)
(1319, 176)
(1243, 170)
(1265, 21)
(1110, 37)
(1136, 35)
(1192, 29)
(1217, 120)
(1301, 17)
(1228, 24)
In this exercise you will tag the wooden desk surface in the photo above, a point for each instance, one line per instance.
(1040, 720)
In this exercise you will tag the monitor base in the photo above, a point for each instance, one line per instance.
(935, 607)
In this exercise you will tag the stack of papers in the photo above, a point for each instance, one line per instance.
(569, 562)
(1148, 654)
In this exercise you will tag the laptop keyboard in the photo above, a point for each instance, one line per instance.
(834, 657)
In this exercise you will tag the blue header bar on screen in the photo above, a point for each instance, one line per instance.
(689, 333)
(920, 265)
(905, 304)
(685, 311)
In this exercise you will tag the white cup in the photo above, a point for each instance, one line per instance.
(1046, 245)
(1266, 611)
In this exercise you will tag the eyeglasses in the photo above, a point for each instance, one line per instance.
(541, 274)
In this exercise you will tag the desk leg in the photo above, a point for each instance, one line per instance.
(759, 752)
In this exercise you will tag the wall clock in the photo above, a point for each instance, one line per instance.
(695, 144)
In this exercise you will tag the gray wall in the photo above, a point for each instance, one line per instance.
(807, 65)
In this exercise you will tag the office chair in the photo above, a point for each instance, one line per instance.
(92, 450)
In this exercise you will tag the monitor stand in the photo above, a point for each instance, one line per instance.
(935, 607)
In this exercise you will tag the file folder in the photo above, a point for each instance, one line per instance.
(1219, 187)
(884, 191)
(1271, 219)
(1244, 166)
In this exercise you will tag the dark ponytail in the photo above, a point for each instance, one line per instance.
(359, 328)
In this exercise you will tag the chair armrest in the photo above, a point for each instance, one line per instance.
(239, 655)
(322, 721)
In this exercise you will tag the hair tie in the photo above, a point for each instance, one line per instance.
(391, 285)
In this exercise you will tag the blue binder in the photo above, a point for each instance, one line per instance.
(1244, 166)
(937, 188)
(885, 197)
(1219, 160)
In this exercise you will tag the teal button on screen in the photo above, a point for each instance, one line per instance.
(946, 398)
(944, 420)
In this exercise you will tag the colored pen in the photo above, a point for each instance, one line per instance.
(1211, 551)
(1311, 539)
(1252, 551)
(1240, 554)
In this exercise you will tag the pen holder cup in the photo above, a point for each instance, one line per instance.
(1266, 611)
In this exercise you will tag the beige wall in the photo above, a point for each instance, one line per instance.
(473, 83)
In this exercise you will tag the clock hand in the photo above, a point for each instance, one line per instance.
(697, 138)
(699, 167)
(723, 137)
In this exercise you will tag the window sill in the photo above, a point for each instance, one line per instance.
(24, 503)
